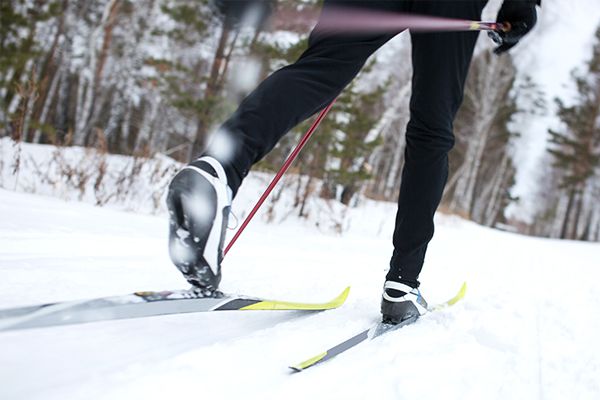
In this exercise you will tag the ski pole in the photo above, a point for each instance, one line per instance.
(349, 19)
(354, 19)
(339, 18)
(286, 165)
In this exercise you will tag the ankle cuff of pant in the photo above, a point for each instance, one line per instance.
(392, 276)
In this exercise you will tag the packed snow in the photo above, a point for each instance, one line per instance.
(527, 328)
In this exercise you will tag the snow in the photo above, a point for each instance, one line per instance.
(526, 329)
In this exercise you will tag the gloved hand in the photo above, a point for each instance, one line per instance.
(522, 17)
(234, 11)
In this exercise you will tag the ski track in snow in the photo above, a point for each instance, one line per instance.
(526, 329)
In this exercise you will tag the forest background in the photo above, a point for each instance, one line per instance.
(154, 78)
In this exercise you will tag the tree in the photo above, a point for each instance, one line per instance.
(347, 168)
(19, 24)
(482, 171)
(575, 150)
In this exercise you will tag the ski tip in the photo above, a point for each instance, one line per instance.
(458, 297)
(285, 305)
(341, 299)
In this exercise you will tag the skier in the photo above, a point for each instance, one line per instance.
(200, 195)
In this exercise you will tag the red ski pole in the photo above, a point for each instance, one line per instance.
(286, 165)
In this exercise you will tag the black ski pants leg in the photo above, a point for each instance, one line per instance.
(294, 93)
(440, 66)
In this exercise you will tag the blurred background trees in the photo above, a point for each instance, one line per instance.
(572, 196)
(158, 76)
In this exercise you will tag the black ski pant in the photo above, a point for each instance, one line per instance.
(296, 92)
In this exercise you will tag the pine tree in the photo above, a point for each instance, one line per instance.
(350, 149)
(575, 150)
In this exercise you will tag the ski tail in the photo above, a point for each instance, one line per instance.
(332, 352)
(374, 331)
(310, 362)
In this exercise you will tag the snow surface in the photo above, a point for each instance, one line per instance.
(527, 328)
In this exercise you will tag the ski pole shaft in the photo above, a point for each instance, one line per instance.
(355, 20)
(286, 165)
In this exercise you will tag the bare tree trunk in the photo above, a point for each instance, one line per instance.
(109, 25)
(211, 91)
(308, 189)
(387, 159)
(568, 210)
(576, 216)
(490, 215)
(145, 134)
(561, 208)
(89, 85)
(49, 76)
(50, 95)
(486, 95)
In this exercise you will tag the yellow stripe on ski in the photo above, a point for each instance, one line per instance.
(284, 305)
(334, 351)
(459, 296)
(309, 362)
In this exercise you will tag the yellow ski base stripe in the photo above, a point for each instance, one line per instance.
(309, 362)
(284, 305)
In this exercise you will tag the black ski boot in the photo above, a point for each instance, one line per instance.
(401, 302)
(199, 201)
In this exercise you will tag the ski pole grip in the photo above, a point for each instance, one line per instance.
(503, 27)
(497, 30)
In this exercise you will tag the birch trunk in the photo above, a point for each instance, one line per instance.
(211, 90)
(89, 79)
(48, 101)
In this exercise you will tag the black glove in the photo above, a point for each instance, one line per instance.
(234, 11)
(522, 17)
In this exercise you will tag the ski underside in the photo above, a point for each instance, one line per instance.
(145, 304)
(370, 334)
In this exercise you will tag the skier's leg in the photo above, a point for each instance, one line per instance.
(294, 93)
(200, 196)
(441, 62)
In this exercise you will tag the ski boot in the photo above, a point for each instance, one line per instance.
(401, 302)
(199, 201)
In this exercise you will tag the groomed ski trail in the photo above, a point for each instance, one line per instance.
(512, 336)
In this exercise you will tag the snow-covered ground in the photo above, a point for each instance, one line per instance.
(527, 328)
